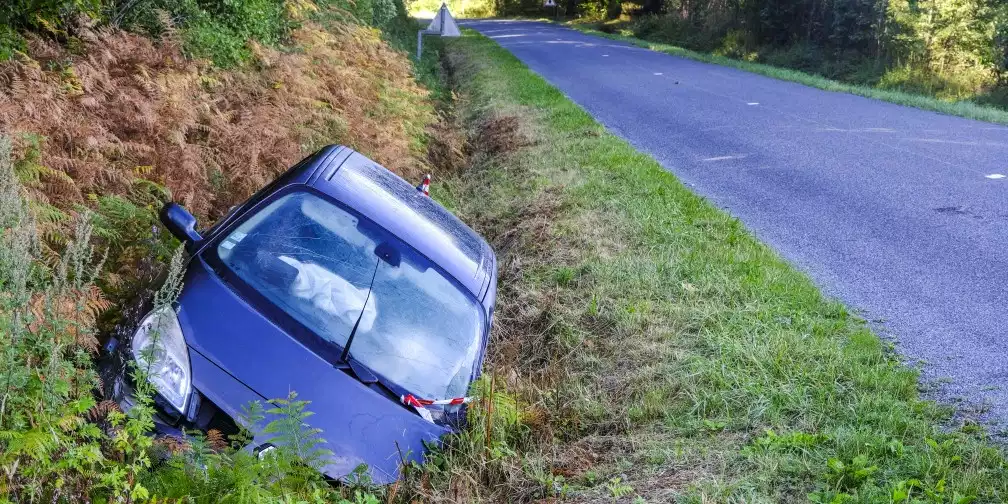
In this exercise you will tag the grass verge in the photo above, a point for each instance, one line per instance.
(657, 351)
(962, 108)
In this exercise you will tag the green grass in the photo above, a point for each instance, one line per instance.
(658, 349)
(961, 108)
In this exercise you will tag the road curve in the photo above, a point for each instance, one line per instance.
(896, 211)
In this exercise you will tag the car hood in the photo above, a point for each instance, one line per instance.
(360, 425)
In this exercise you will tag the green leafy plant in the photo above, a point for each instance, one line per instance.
(913, 490)
(206, 469)
(797, 440)
(849, 475)
(46, 15)
(617, 488)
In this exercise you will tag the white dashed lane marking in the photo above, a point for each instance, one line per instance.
(995, 176)
(724, 158)
(753, 103)
(657, 73)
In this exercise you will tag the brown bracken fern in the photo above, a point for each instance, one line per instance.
(131, 108)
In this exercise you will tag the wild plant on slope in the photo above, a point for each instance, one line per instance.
(126, 123)
(58, 445)
(48, 451)
(131, 109)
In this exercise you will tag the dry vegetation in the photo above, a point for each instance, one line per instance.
(119, 123)
(124, 108)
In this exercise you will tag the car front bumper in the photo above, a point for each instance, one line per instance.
(206, 408)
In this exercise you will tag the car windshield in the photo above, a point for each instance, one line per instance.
(320, 264)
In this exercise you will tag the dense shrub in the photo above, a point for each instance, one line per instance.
(51, 17)
(384, 11)
(218, 30)
(469, 8)
(592, 9)
(46, 15)
(11, 42)
(48, 449)
(952, 49)
(223, 31)
(801, 56)
(708, 35)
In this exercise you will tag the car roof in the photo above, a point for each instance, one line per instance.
(400, 208)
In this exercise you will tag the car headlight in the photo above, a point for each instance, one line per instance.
(160, 350)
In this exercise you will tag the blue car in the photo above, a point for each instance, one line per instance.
(339, 281)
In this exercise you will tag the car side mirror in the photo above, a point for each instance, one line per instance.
(181, 224)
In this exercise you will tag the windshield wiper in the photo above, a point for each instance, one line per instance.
(350, 365)
(368, 377)
(353, 332)
(358, 370)
(387, 253)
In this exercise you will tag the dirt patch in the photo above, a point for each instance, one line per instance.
(446, 145)
(500, 134)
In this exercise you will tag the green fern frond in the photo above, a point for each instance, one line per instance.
(46, 213)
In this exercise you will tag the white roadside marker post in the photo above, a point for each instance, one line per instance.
(551, 3)
(443, 25)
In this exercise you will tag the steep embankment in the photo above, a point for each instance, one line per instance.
(121, 122)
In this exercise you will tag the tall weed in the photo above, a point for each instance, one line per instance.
(48, 451)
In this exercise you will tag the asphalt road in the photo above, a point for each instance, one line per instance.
(896, 211)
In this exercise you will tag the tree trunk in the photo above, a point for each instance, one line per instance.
(811, 22)
(880, 31)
